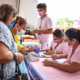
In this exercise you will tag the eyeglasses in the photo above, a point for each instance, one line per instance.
(66, 40)
(13, 13)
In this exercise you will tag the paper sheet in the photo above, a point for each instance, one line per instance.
(63, 60)
(45, 56)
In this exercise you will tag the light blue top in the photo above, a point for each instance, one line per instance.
(6, 38)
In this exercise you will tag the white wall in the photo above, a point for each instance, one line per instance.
(28, 10)
(12, 2)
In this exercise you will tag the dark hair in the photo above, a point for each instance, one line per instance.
(58, 33)
(73, 33)
(20, 21)
(41, 5)
(5, 12)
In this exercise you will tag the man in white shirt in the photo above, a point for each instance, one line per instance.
(44, 26)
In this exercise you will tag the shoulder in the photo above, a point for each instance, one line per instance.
(3, 28)
(17, 36)
(78, 49)
(48, 18)
(64, 43)
(2, 25)
(9, 30)
(39, 19)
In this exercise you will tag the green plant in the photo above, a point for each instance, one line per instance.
(65, 21)
(29, 26)
(33, 34)
(60, 22)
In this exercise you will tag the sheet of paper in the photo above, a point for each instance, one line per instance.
(60, 60)
(46, 56)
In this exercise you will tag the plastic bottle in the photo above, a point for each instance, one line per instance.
(47, 50)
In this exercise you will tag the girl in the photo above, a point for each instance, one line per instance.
(58, 45)
(72, 37)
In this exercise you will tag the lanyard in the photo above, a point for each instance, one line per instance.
(40, 28)
(12, 34)
(41, 22)
(71, 55)
(56, 46)
(40, 25)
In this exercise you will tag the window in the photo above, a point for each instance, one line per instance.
(63, 8)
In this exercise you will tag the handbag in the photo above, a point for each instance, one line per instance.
(23, 69)
(18, 74)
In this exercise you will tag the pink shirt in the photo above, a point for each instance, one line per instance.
(45, 23)
(75, 57)
(62, 47)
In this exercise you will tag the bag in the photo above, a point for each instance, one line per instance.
(23, 69)
(18, 75)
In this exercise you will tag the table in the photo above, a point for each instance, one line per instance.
(40, 72)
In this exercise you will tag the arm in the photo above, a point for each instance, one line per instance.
(17, 40)
(23, 50)
(57, 56)
(49, 26)
(6, 56)
(49, 31)
(49, 53)
(50, 48)
(62, 55)
(36, 28)
(73, 67)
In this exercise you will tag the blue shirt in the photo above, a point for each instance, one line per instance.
(6, 38)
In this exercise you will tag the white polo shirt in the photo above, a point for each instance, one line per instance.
(45, 23)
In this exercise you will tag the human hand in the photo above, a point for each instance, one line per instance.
(48, 62)
(46, 53)
(55, 56)
(35, 31)
(30, 49)
(49, 53)
(47, 50)
(23, 50)
(19, 57)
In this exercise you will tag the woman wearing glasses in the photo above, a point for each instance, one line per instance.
(72, 37)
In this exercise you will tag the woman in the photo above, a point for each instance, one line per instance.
(16, 30)
(72, 37)
(58, 45)
(7, 44)
(19, 28)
